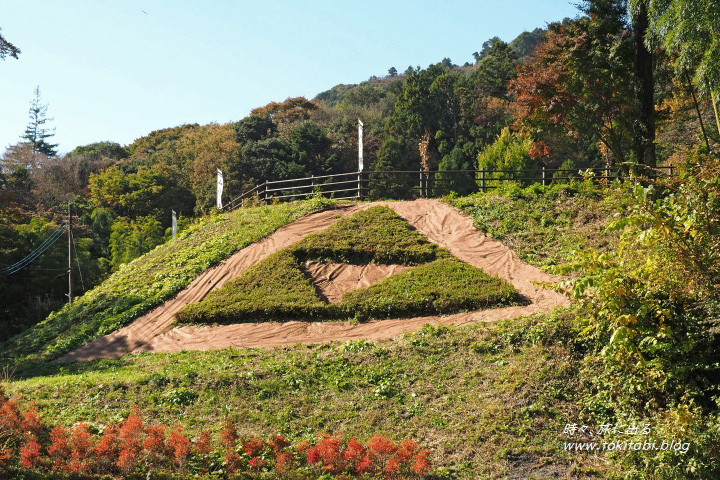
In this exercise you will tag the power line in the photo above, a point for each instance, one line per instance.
(49, 242)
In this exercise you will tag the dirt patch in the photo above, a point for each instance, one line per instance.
(438, 221)
(332, 280)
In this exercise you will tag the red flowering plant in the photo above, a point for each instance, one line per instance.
(130, 438)
(80, 443)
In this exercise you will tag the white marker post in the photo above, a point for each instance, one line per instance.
(174, 224)
(360, 157)
(219, 189)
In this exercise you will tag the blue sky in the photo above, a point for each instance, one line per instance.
(116, 70)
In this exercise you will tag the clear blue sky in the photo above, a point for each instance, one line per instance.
(118, 69)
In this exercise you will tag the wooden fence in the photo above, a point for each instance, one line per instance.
(410, 184)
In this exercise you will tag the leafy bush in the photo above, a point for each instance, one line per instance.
(648, 315)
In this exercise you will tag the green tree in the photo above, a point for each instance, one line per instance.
(131, 238)
(36, 134)
(509, 152)
(690, 31)
(7, 49)
(577, 87)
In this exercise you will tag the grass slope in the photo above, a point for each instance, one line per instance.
(487, 401)
(490, 400)
(543, 225)
(149, 281)
(277, 289)
(274, 289)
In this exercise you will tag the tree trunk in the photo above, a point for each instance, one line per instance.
(644, 131)
(697, 109)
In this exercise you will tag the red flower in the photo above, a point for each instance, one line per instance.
(252, 446)
(80, 443)
(204, 443)
(31, 421)
(256, 463)
(30, 452)
(59, 449)
(180, 445)
(228, 435)
(422, 464)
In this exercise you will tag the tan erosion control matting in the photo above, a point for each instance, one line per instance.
(438, 221)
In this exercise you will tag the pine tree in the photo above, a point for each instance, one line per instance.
(35, 133)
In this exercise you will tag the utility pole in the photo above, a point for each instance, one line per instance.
(70, 256)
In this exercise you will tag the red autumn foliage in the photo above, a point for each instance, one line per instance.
(30, 452)
(180, 445)
(253, 446)
(81, 448)
(59, 450)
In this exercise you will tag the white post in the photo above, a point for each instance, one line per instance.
(174, 224)
(360, 157)
(219, 188)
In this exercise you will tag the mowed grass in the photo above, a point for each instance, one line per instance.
(278, 289)
(149, 281)
(487, 400)
(274, 289)
(446, 285)
(375, 235)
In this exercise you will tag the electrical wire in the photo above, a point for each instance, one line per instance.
(17, 266)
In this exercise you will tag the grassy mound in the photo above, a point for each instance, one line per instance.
(277, 289)
(446, 285)
(375, 235)
(149, 281)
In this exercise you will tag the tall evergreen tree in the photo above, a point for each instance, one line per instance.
(35, 133)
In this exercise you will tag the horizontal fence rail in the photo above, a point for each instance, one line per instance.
(410, 184)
